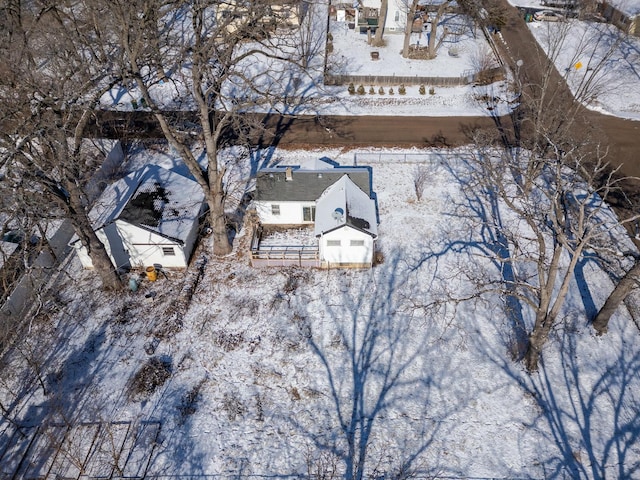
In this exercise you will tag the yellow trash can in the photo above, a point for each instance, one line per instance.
(152, 274)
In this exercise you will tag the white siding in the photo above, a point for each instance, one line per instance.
(131, 246)
(396, 10)
(346, 253)
(290, 212)
(145, 247)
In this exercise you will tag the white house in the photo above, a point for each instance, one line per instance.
(346, 225)
(336, 201)
(150, 217)
(368, 12)
(287, 194)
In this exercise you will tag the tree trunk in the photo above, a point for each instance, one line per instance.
(537, 339)
(221, 244)
(615, 298)
(433, 46)
(95, 248)
(408, 28)
(382, 19)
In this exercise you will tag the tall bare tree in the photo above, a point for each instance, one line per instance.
(221, 58)
(435, 41)
(551, 179)
(382, 20)
(58, 77)
(623, 288)
(548, 218)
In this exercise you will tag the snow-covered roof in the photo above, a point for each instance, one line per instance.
(343, 203)
(154, 199)
(315, 164)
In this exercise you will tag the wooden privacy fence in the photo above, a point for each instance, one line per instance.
(485, 76)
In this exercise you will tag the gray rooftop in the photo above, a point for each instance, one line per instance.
(305, 185)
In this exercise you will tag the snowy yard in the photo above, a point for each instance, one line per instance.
(259, 370)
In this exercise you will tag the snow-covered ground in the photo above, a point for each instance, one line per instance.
(351, 55)
(266, 366)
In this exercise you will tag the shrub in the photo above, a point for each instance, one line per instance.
(372, 90)
(432, 90)
(381, 91)
(402, 90)
(422, 90)
(351, 89)
(390, 90)
(360, 90)
(151, 375)
(189, 402)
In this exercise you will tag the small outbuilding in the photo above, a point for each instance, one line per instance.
(150, 217)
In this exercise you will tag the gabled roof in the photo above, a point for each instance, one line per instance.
(152, 198)
(345, 204)
(301, 184)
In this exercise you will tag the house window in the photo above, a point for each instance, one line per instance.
(309, 214)
(168, 252)
(357, 243)
(333, 243)
(275, 209)
(397, 16)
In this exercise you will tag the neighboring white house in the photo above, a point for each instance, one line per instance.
(150, 217)
(346, 225)
(336, 201)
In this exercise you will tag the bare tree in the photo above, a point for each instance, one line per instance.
(554, 182)
(421, 175)
(547, 218)
(434, 41)
(311, 41)
(224, 58)
(382, 20)
(621, 291)
(58, 78)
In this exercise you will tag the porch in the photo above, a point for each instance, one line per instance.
(282, 247)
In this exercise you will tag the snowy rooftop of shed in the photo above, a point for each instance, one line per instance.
(152, 198)
(344, 203)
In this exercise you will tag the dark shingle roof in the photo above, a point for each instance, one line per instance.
(305, 185)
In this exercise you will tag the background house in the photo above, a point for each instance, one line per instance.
(368, 14)
(346, 225)
(623, 14)
(150, 217)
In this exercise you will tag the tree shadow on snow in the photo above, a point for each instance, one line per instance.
(388, 389)
(584, 423)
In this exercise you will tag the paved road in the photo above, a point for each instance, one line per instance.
(620, 135)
